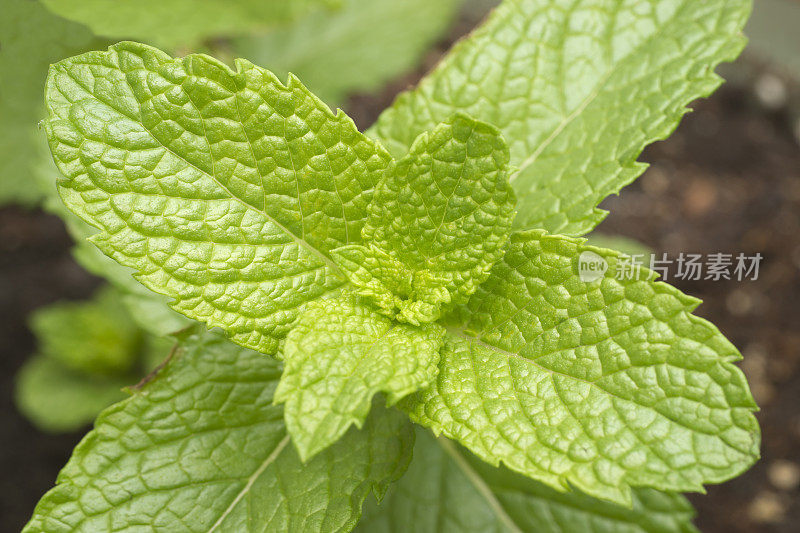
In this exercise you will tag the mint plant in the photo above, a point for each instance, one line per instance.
(425, 271)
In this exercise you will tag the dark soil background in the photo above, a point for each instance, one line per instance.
(727, 181)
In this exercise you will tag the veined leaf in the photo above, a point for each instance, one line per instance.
(355, 48)
(337, 357)
(605, 384)
(222, 189)
(446, 489)
(578, 89)
(173, 23)
(30, 39)
(444, 211)
(203, 448)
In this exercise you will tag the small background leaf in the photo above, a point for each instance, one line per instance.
(355, 48)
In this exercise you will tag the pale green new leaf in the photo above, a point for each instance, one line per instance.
(30, 39)
(96, 336)
(446, 489)
(578, 88)
(56, 398)
(222, 189)
(604, 385)
(444, 211)
(355, 48)
(413, 296)
(203, 448)
(173, 23)
(341, 353)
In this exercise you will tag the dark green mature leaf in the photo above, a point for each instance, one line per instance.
(30, 39)
(203, 448)
(446, 489)
(173, 23)
(341, 353)
(604, 384)
(223, 189)
(355, 48)
(578, 89)
(438, 222)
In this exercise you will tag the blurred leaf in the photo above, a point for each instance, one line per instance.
(360, 47)
(96, 336)
(30, 39)
(174, 23)
(56, 398)
(88, 351)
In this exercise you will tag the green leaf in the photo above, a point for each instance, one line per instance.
(338, 356)
(202, 447)
(604, 384)
(448, 490)
(57, 398)
(96, 336)
(223, 189)
(444, 211)
(30, 39)
(578, 91)
(356, 48)
(397, 290)
(173, 23)
(148, 309)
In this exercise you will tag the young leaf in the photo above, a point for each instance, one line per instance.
(604, 385)
(355, 48)
(338, 356)
(444, 211)
(446, 489)
(222, 189)
(202, 447)
(577, 90)
(397, 290)
(57, 398)
(174, 23)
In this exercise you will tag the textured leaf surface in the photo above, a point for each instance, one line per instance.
(446, 489)
(444, 211)
(603, 385)
(203, 448)
(578, 89)
(97, 336)
(355, 48)
(341, 353)
(30, 39)
(223, 189)
(57, 398)
(172, 23)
